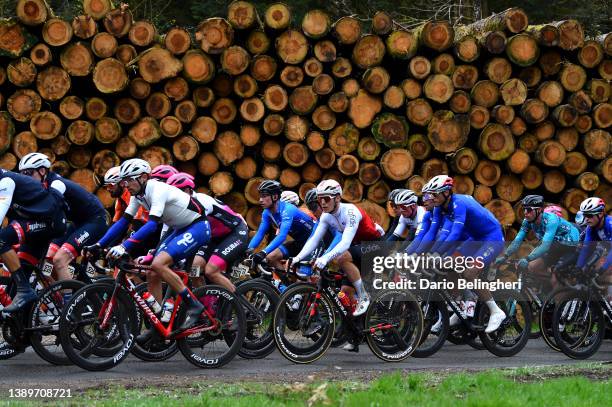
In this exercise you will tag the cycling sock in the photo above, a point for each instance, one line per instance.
(359, 289)
(493, 307)
(188, 297)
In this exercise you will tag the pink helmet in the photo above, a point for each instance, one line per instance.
(181, 180)
(163, 172)
(554, 209)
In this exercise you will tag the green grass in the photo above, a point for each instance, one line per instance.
(579, 385)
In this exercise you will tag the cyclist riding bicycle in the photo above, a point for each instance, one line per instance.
(356, 227)
(599, 229)
(423, 227)
(36, 216)
(285, 217)
(166, 205)
(473, 232)
(85, 212)
(229, 233)
(556, 235)
(411, 215)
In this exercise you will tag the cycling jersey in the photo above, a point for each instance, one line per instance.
(223, 220)
(82, 205)
(25, 198)
(421, 231)
(407, 224)
(551, 229)
(170, 205)
(122, 202)
(465, 219)
(289, 221)
(354, 224)
(603, 234)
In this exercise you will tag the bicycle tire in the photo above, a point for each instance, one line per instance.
(321, 341)
(546, 315)
(437, 311)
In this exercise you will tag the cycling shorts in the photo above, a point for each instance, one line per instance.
(81, 235)
(184, 242)
(291, 249)
(229, 248)
(488, 249)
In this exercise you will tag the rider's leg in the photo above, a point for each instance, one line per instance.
(274, 258)
(199, 262)
(348, 266)
(214, 273)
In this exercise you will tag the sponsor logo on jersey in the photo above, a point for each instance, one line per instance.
(81, 239)
(186, 240)
(231, 247)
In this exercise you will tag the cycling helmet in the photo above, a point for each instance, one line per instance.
(112, 176)
(580, 219)
(329, 187)
(533, 201)
(270, 187)
(290, 197)
(405, 197)
(163, 172)
(592, 205)
(393, 193)
(311, 196)
(181, 180)
(554, 209)
(133, 168)
(439, 183)
(34, 161)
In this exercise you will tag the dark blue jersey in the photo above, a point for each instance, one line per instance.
(30, 200)
(82, 205)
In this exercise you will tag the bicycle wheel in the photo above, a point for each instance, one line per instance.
(81, 335)
(263, 297)
(513, 333)
(546, 317)
(578, 324)
(43, 321)
(208, 346)
(7, 350)
(303, 324)
(394, 325)
(156, 348)
(435, 315)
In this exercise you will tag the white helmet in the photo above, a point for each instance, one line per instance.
(592, 205)
(405, 197)
(329, 187)
(133, 168)
(580, 219)
(290, 197)
(34, 161)
(112, 176)
(439, 183)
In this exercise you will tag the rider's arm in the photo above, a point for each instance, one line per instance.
(350, 230)
(429, 238)
(7, 188)
(284, 228)
(261, 230)
(456, 230)
(399, 231)
(141, 234)
(520, 236)
(334, 242)
(547, 240)
(314, 239)
(422, 229)
(116, 230)
(587, 247)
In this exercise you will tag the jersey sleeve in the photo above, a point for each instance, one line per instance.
(552, 223)
(399, 231)
(261, 230)
(314, 239)
(454, 235)
(437, 219)
(586, 248)
(289, 212)
(132, 207)
(350, 230)
(421, 230)
(518, 239)
(7, 188)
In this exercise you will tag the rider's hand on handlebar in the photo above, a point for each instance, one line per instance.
(258, 257)
(289, 263)
(116, 252)
(319, 263)
(90, 251)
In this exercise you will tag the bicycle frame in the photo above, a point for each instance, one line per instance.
(166, 332)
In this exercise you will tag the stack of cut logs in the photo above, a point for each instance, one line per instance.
(505, 107)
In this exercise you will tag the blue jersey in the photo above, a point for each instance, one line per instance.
(551, 229)
(414, 246)
(289, 220)
(82, 205)
(599, 235)
(30, 200)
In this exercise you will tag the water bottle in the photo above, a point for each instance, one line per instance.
(278, 284)
(345, 300)
(150, 300)
(167, 310)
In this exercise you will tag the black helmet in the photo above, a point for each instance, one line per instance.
(270, 187)
(311, 196)
(533, 201)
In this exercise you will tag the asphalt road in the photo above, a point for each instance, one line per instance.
(29, 371)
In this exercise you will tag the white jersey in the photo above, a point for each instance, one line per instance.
(405, 224)
(354, 224)
(174, 207)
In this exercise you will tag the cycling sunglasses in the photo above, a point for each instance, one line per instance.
(325, 199)
(530, 208)
(27, 172)
(590, 215)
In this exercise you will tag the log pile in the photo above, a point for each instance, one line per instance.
(506, 107)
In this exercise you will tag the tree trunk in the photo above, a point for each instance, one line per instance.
(591, 54)
(16, 40)
(565, 115)
(551, 93)
(40, 55)
(368, 149)
(588, 181)
(325, 158)
(295, 154)
(296, 128)
(107, 130)
(118, 21)
(605, 169)
(303, 100)
(568, 137)
(252, 110)
(139, 89)
(177, 40)
(438, 88)
(597, 144)
(23, 104)
(311, 172)
(315, 141)
(316, 24)
(509, 188)
(291, 76)
(550, 153)
(463, 161)
(479, 117)
(84, 26)
(56, 32)
(534, 111)
(157, 64)
(522, 50)
(289, 178)
(369, 173)
(397, 164)
(103, 161)
(487, 172)
(572, 77)
(125, 148)
(24, 143)
(485, 93)
(324, 118)
(419, 146)
(545, 34)
(342, 68)
(325, 51)
(375, 80)
(572, 198)
(208, 164)
(145, 132)
(228, 147)
(44, 125)
(344, 139)
(503, 114)
(79, 157)
(502, 210)
(460, 102)
(347, 30)
(274, 124)
(221, 183)
(271, 150)
(433, 167)
(185, 148)
(390, 130)
(85, 178)
(224, 111)
(32, 12)
(532, 177)
(571, 35)
(602, 115)
(465, 77)
(532, 75)
(402, 44)
(368, 51)
(518, 161)
(323, 84)
(412, 88)
(437, 35)
(419, 67)
(498, 70)
(378, 192)
(419, 112)
(599, 90)
(80, 132)
(352, 190)
(482, 194)
(447, 132)
(518, 127)
(554, 181)
(394, 97)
